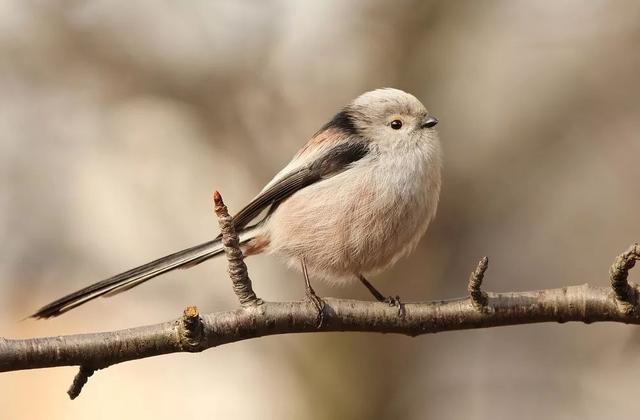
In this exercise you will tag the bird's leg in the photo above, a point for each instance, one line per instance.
(311, 294)
(391, 300)
(376, 294)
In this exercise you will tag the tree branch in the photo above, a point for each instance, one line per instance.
(576, 303)
(194, 332)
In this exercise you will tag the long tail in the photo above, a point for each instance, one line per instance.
(134, 277)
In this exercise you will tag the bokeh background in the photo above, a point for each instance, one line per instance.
(118, 119)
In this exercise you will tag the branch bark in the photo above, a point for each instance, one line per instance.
(194, 332)
(98, 350)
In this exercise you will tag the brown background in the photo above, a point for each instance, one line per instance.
(118, 119)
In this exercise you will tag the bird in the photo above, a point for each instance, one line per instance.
(356, 198)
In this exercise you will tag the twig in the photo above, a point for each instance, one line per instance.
(237, 267)
(79, 381)
(478, 297)
(619, 272)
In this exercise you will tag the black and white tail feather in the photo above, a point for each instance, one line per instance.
(136, 276)
(129, 279)
(333, 161)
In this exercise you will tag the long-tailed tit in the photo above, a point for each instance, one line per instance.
(357, 197)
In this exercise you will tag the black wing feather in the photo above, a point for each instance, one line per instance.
(334, 161)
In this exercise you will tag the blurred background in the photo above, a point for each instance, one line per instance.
(118, 120)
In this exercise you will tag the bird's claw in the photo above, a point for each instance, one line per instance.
(319, 305)
(395, 301)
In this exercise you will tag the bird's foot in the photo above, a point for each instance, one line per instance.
(395, 301)
(311, 295)
(319, 305)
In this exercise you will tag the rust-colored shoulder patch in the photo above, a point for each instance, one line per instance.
(324, 139)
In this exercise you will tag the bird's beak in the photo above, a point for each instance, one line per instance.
(429, 121)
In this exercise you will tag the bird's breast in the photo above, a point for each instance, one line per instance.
(362, 219)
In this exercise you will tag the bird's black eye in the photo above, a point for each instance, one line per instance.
(396, 124)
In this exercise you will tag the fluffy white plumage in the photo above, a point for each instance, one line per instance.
(367, 217)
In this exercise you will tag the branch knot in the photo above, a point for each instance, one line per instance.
(191, 329)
